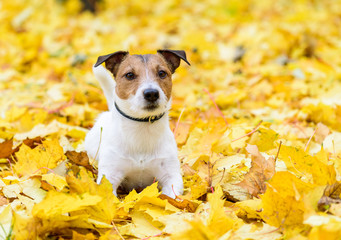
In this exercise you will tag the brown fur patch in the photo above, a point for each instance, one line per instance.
(137, 64)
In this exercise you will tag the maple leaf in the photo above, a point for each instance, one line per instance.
(331, 194)
(182, 204)
(218, 221)
(45, 156)
(57, 203)
(282, 203)
(316, 167)
(105, 209)
(6, 148)
(261, 170)
(81, 159)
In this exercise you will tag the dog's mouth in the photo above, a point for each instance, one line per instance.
(151, 106)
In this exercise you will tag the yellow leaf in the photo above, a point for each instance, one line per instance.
(306, 165)
(104, 210)
(324, 227)
(14, 113)
(31, 188)
(262, 232)
(176, 222)
(282, 202)
(55, 180)
(225, 100)
(219, 222)
(249, 208)
(6, 222)
(76, 133)
(197, 231)
(133, 197)
(24, 226)
(57, 204)
(264, 139)
(142, 225)
(39, 159)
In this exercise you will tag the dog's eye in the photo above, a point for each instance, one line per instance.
(162, 74)
(130, 76)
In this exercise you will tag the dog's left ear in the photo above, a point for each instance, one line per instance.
(173, 58)
(112, 61)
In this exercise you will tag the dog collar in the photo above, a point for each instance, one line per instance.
(149, 119)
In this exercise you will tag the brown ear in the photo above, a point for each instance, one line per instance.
(173, 58)
(112, 61)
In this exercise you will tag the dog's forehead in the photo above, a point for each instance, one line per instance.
(148, 59)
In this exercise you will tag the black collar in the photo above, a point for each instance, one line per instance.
(150, 119)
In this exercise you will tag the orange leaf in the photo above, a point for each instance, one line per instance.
(6, 148)
(182, 204)
(81, 159)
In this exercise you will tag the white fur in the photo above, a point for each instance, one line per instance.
(132, 153)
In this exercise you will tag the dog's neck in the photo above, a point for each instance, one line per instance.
(126, 123)
(146, 136)
(148, 119)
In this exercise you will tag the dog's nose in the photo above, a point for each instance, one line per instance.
(151, 94)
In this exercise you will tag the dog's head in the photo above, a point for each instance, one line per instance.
(143, 82)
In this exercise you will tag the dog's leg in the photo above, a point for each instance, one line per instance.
(114, 179)
(113, 172)
(170, 179)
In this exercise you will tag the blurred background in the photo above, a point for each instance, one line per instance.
(264, 73)
(277, 56)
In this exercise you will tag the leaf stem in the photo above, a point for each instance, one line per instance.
(215, 104)
(306, 146)
(279, 148)
(119, 234)
(177, 123)
(253, 130)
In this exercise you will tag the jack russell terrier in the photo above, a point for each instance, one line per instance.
(132, 141)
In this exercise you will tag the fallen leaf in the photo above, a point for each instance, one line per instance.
(56, 204)
(42, 158)
(3, 201)
(182, 204)
(321, 133)
(55, 180)
(197, 231)
(6, 148)
(282, 203)
(81, 159)
(261, 170)
(219, 221)
(331, 195)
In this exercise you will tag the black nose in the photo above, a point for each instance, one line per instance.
(151, 94)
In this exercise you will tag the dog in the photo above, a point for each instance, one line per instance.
(132, 141)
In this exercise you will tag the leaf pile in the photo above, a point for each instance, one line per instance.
(256, 118)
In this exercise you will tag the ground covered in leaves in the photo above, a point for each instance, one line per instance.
(257, 119)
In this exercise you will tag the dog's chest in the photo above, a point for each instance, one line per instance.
(140, 173)
(142, 140)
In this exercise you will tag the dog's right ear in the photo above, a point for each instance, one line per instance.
(112, 61)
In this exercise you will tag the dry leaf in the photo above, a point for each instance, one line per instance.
(3, 201)
(331, 194)
(182, 204)
(6, 148)
(81, 159)
(321, 133)
(261, 170)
